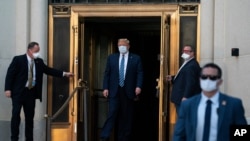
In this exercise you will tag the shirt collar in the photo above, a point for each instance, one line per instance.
(28, 57)
(214, 98)
(188, 60)
(125, 55)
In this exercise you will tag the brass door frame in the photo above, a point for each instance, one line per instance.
(67, 131)
(74, 47)
(65, 127)
(162, 88)
(139, 11)
(174, 61)
(128, 10)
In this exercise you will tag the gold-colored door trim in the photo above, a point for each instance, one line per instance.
(159, 10)
(128, 10)
(162, 86)
(68, 130)
(74, 25)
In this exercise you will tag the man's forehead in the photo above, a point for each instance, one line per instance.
(36, 48)
(187, 47)
(122, 42)
(210, 70)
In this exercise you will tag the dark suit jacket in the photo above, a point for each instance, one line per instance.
(17, 76)
(187, 82)
(230, 112)
(133, 78)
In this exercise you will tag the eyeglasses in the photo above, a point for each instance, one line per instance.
(204, 77)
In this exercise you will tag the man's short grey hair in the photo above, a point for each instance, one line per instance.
(123, 40)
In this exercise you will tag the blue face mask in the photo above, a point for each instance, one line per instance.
(123, 49)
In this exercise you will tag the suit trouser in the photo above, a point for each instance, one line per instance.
(177, 107)
(27, 101)
(121, 109)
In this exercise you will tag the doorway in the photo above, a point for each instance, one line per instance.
(94, 31)
(86, 34)
(100, 37)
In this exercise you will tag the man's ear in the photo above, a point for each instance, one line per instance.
(220, 82)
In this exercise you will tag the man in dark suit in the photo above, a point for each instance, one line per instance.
(23, 84)
(186, 81)
(208, 116)
(122, 84)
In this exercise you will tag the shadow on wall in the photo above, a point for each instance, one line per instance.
(39, 130)
(248, 120)
(5, 130)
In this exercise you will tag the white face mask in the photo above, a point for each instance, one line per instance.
(208, 85)
(35, 55)
(185, 56)
(123, 49)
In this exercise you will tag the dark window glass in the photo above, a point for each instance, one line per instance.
(60, 86)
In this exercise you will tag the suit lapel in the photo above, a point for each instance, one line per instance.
(117, 61)
(182, 67)
(221, 110)
(37, 67)
(130, 57)
(25, 62)
(194, 111)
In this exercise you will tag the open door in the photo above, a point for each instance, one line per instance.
(100, 36)
(91, 36)
(74, 63)
(63, 54)
(180, 25)
(162, 84)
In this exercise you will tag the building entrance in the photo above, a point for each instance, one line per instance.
(85, 35)
(100, 40)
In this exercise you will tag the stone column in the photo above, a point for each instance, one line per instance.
(38, 33)
(22, 26)
(39, 24)
(207, 34)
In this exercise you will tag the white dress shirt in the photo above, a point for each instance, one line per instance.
(34, 70)
(125, 62)
(184, 63)
(201, 117)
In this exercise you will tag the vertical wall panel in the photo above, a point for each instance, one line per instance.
(188, 32)
(61, 49)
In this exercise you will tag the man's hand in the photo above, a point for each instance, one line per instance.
(8, 93)
(68, 74)
(105, 93)
(137, 91)
(184, 98)
(168, 77)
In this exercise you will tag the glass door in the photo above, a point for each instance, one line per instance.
(162, 85)
(63, 55)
